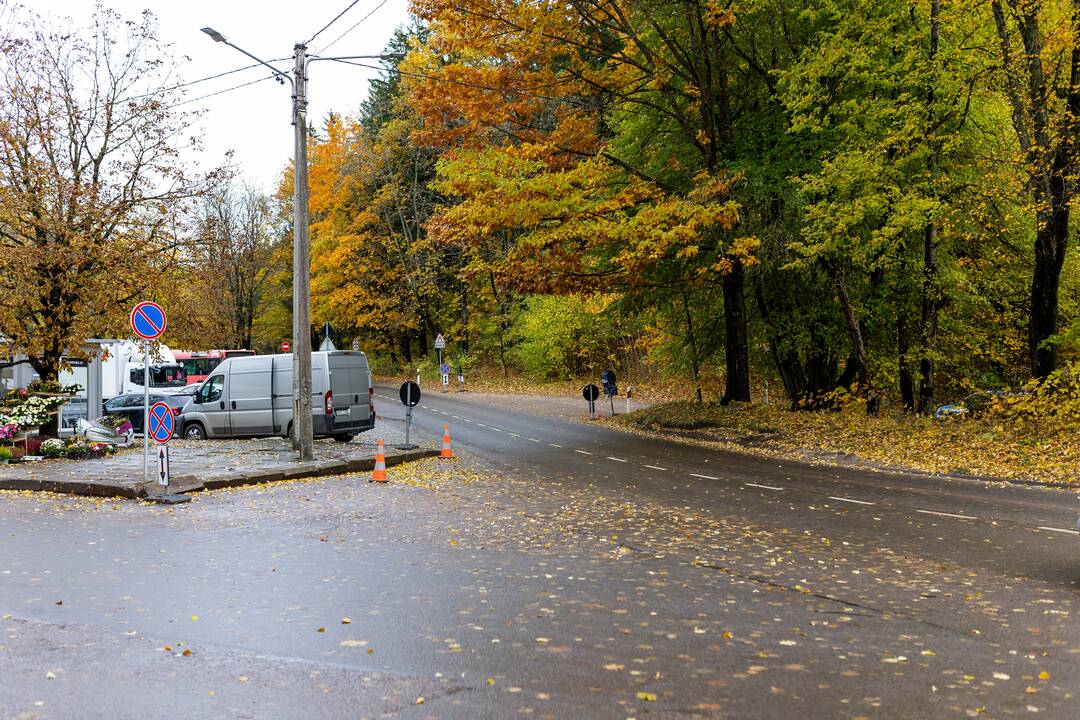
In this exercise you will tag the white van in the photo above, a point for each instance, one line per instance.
(252, 397)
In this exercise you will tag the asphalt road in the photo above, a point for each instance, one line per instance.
(1014, 529)
(554, 570)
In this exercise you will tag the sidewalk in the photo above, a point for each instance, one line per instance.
(207, 464)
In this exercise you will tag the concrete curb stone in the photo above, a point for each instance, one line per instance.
(184, 484)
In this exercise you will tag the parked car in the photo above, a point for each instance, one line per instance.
(252, 397)
(130, 405)
(976, 402)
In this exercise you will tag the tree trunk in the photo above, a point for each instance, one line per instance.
(406, 348)
(736, 342)
(903, 346)
(695, 365)
(929, 320)
(930, 304)
(787, 366)
(862, 373)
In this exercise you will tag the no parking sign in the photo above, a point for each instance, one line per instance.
(160, 422)
(148, 320)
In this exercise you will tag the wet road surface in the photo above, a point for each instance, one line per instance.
(548, 571)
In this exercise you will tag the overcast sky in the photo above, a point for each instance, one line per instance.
(255, 121)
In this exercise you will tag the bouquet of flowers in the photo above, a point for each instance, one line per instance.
(110, 430)
(8, 431)
(118, 423)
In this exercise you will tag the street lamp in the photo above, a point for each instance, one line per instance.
(302, 436)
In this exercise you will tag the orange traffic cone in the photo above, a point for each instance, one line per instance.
(447, 451)
(379, 474)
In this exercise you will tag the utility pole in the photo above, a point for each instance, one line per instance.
(302, 436)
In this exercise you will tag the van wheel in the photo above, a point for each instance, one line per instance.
(344, 437)
(195, 431)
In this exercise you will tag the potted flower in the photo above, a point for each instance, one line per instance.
(5, 455)
(52, 448)
(77, 449)
(8, 431)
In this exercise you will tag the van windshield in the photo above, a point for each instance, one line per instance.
(167, 375)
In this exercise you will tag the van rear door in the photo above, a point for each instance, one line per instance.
(349, 384)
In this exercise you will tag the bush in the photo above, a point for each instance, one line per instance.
(6, 454)
(1046, 408)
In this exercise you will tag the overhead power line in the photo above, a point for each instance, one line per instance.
(189, 83)
(336, 18)
(358, 24)
(222, 92)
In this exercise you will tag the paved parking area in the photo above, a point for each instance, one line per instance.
(208, 464)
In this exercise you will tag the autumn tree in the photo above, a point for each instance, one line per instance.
(91, 179)
(231, 254)
(1038, 48)
(590, 85)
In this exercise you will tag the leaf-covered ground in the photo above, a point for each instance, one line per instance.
(986, 447)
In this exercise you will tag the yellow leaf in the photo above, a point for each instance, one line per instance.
(646, 696)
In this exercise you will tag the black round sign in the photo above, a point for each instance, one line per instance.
(409, 393)
(608, 377)
(590, 392)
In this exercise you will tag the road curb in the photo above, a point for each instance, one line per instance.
(186, 484)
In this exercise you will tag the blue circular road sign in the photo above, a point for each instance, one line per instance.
(148, 320)
(160, 422)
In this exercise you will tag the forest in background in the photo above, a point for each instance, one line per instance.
(874, 196)
(868, 200)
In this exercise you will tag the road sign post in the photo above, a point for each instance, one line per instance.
(440, 345)
(607, 378)
(444, 369)
(148, 321)
(410, 398)
(590, 392)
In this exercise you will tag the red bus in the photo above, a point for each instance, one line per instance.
(198, 365)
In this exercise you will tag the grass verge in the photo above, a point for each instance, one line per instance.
(980, 447)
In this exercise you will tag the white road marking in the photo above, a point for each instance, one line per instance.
(704, 477)
(656, 467)
(532, 439)
(945, 514)
(1059, 530)
(481, 424)
(512, 434)
(851, 500)
(583, 452)
(554, 445)
(763, 487)
(617, 459)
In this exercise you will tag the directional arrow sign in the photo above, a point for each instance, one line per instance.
(163, 465)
